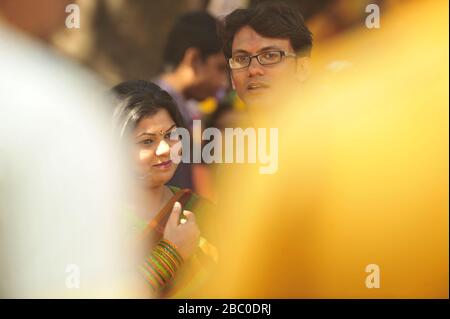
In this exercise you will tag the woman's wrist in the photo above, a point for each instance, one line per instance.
(171, 249)
(161, 265)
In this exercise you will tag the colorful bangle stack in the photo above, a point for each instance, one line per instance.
(160, 267)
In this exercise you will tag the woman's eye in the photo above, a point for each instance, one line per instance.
(172, 136)
(146, 142)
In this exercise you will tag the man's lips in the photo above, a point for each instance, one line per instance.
(257, 85)
(165, 164)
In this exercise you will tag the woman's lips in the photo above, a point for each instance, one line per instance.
(163, 165)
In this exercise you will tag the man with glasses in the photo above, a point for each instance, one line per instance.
(266, 45)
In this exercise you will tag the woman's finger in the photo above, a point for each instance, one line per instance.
(190, 217)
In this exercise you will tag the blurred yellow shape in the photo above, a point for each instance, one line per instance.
(362, 179)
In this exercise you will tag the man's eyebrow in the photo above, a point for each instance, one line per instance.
(153, 134)
(268, 48)
(241, 51)
(271, 47)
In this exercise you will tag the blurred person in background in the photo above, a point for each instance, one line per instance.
(60, 174)
(174, 261)
(194, 69)
(122, 40)
(359, 205)
(268, 46)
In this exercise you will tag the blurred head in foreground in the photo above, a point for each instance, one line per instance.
(359, 205)
(61, 181)
(267, 46)
(40, 19)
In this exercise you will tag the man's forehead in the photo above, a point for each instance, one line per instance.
(247, 39)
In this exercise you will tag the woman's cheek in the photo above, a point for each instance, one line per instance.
(144, 156)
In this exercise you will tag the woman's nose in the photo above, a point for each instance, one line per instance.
(162, 148)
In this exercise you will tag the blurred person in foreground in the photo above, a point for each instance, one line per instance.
(194, 69)
(170, 232)
(268, 46)
(359, 205)
(60, 228)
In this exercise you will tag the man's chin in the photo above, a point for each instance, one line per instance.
(268, 97)
(258, 101)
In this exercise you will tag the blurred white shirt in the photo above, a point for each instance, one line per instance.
(61, 187)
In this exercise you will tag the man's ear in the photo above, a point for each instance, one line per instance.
(303, 68)
(192, 59)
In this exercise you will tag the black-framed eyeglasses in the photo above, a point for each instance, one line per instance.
(242, 61)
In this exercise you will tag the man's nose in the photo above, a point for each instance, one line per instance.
(255, 69)
(162, 148)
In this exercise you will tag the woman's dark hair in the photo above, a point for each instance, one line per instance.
(138, 99)
(272, 20)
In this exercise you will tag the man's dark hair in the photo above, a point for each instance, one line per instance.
(272, 20)
(192, 30)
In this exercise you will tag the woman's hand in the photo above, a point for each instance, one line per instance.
(185, 236)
